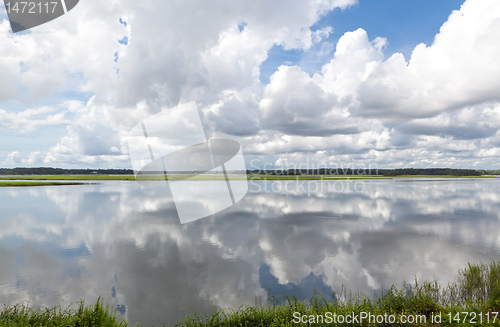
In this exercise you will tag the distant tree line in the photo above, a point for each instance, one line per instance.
(60, 171)
(431, 171)
(491, 172)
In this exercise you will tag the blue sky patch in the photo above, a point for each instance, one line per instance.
(124, 40)
(241, 27)
(404, 23)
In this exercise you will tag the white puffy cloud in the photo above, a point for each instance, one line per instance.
(93, 137)
(13, 158)
(235, 116)
(176, 51)
(437, 109)
(459, 69)
(30, 119)
(360, 106)
(47, 60)
(294, 104)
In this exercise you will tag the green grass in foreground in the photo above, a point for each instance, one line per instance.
(476, 291)
(12, 184)
(92, 315)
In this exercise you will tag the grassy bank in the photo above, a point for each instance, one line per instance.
(475, 292)
(76, 316)
(69, 177)
(16, 184)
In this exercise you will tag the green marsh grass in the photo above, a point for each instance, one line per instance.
(70, 177)
(97, 314)
(25, 184)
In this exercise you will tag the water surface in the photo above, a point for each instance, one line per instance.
(124, 241)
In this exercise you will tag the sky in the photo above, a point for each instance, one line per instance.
(337, 83)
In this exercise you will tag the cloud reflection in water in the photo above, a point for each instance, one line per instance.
(124, 240)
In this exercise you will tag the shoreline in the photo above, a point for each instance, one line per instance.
(219, 177)
(41, 183)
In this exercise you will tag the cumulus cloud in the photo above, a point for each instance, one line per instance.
(439, 107)
(13, 158)
(235, 116)
(294, 104)
(457, 70)
(365, 106)
(30, 119)
(92, 137)
(200, 54)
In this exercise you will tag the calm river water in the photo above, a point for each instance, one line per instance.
(124, 241)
